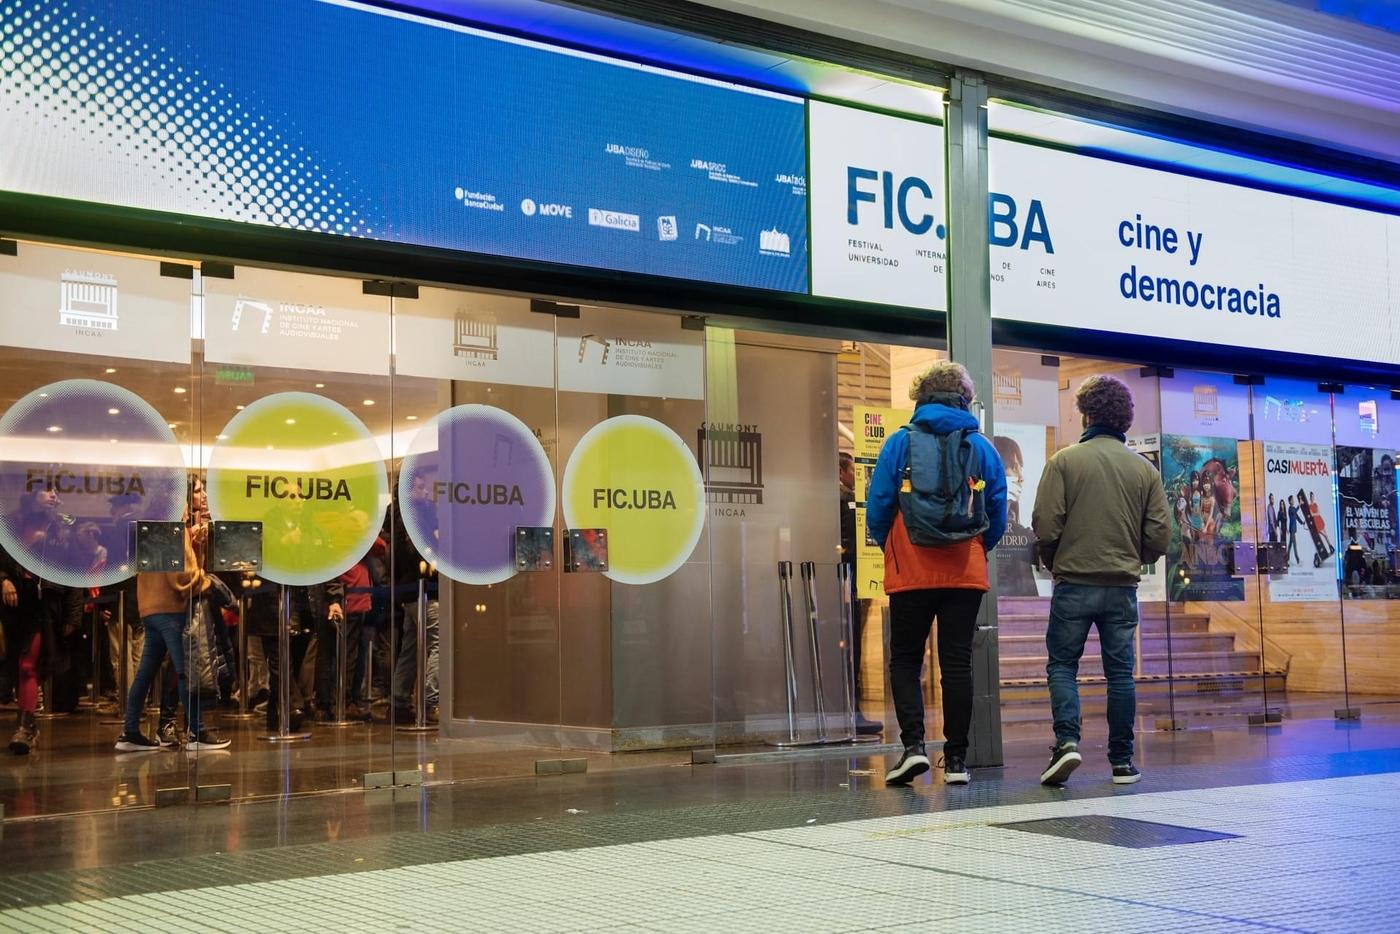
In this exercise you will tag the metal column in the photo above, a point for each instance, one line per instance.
(970, 343)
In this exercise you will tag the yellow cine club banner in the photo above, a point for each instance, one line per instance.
(872, 426)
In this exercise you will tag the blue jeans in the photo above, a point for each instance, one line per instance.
(1073, 609)
(165, 634)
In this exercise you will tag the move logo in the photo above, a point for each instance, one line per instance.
(909, 201)
(530, 208)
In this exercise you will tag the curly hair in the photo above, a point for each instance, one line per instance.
(943, 377)
(1106, 402)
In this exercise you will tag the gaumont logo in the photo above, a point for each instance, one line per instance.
(530, 207)
(1205, 402)
(87, 300)
(733, 456)
(614, 220)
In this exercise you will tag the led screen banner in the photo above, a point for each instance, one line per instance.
(1084, 242)
(329, 116)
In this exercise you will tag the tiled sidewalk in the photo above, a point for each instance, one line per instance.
(1318, 855)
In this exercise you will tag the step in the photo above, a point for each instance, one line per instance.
(1016, 692)
(1151, 643)
(1021, 624)
(1023, 667)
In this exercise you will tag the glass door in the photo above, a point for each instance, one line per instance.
(473, 618)
(1295, 520)
(96, 422)
(293, 444)
(1222, 667)
(1366, 421)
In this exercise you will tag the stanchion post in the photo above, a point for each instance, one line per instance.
(91, 701)
(420, 705)
(342, 675)
(123, 662)
(284, 732)
(789, 656)
(843, 581)
(244, 711)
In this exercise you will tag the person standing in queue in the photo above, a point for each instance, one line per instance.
(937, 507)
(1100, 515)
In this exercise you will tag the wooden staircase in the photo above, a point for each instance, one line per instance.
(1176, 648)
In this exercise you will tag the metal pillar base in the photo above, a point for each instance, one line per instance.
(288, 738)
(235, 716)
(415, 728)
(340, 724)
(1170, 726)
(1347, 713)
(1268, 718)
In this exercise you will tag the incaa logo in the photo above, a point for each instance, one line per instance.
(880, 188)
(1004, 226)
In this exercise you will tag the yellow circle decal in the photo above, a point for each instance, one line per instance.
(312, 474)
(634, 477)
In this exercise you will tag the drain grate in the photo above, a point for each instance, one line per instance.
(1117, 831)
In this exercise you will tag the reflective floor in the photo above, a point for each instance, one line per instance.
(1311, 814)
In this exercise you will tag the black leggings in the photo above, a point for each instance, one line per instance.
(911, 617)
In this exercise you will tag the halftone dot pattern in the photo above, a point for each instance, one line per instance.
(135, 100)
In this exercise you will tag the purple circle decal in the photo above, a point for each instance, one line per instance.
(471, 477)
(80, 461)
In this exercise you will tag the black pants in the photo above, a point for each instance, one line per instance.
(911, 617)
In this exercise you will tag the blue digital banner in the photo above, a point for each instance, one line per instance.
(334, 117)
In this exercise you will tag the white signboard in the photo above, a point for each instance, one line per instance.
(879, 222)
(265, 317)
(1205, 405)
(1084, 242)
(446, 334)
(75, 301)
(630, 353)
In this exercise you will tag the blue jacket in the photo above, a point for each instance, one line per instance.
(882, 499)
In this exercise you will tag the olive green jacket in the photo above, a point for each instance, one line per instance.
(1100, 514)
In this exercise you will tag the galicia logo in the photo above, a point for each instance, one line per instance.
(614, 220)
(910, 201)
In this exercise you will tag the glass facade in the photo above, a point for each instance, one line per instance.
(303, 532)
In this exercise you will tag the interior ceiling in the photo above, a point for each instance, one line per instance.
(1259, 64)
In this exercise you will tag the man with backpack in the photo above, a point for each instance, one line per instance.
(937, 506)
(1100, 516)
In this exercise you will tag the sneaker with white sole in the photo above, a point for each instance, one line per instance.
(206, 741)
(1064, 759)
(955, 771)
(135, 742)
(1126, 774)
(912, 764)
(168, 734)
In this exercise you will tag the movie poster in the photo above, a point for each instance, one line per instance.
(1298, 522)
(1202, 480)
(1153, 586)
(872, 426)
(1022, 450)
(1366, 494)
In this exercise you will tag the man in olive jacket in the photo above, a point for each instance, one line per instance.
(1100, 515)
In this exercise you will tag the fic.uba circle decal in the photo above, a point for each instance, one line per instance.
(311, 473)
(636, 478)
(471, 477)
(80, 460)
